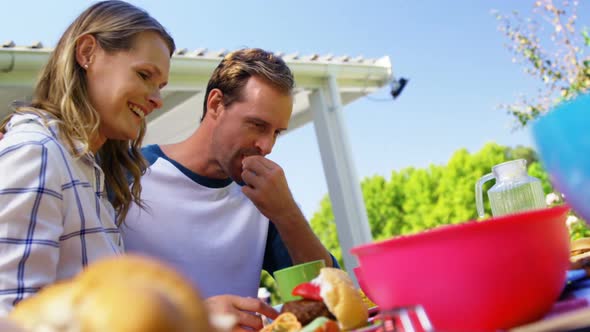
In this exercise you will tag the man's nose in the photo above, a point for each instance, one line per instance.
(265, 144)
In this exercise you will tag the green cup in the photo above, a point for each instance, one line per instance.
(290, 277)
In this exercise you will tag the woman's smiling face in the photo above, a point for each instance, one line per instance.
(124, 86)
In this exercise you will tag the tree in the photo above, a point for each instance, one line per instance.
(414, 200)
(326, 228)
(557, 59)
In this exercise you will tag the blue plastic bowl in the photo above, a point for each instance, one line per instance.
(562, 137)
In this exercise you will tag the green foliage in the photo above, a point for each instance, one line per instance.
(537, 170)
(326, 228)
(413, 200)
(579, 230)
(522, 152)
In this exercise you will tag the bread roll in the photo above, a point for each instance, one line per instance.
(342, 298)
(580, 253)
(122, 294)
(580, 246)
(52, 309)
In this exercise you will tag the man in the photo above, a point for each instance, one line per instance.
(216, 208)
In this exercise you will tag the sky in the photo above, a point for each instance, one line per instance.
(455, 58)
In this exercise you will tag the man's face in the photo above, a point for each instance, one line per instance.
(250, 126)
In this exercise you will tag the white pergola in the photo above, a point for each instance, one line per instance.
(324, 85)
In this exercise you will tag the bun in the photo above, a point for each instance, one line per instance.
(580, 253)
(342, 298)
(126, 293)
(580, 246)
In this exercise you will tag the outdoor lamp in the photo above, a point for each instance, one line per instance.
(397, 86)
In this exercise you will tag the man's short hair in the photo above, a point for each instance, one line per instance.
(233, 72)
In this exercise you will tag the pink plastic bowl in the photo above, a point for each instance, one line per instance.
(475, 276)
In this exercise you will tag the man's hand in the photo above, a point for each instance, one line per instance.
(266, 186)
(246, 309)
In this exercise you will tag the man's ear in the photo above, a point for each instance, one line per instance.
(86, 47)
(214, 103)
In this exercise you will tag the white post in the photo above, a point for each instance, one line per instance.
(343, 185)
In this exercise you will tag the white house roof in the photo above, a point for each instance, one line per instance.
(189, 74)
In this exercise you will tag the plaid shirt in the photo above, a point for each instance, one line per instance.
(55, 217)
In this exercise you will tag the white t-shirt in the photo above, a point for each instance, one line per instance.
(205, 228)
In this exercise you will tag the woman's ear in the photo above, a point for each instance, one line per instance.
(214, 103)
(86, 46)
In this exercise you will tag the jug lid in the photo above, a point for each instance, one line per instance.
(510, 169)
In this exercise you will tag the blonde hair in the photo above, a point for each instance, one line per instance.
(62, 92)
(233, 72)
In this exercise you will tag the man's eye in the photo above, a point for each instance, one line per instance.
(143, 75)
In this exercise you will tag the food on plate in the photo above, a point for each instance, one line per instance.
(366, 300)
(321, 324)
(307, 310)
(286, 322)
(334, 289)
(121, 294)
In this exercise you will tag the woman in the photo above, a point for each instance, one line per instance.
(76, 141)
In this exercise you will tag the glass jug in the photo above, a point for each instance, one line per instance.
(514, 190)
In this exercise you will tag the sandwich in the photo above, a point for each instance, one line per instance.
(122, 294)
(580, 253)
(331, 296)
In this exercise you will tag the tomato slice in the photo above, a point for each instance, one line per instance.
(307, 290)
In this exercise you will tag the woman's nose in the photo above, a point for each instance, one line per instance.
(156, 100)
